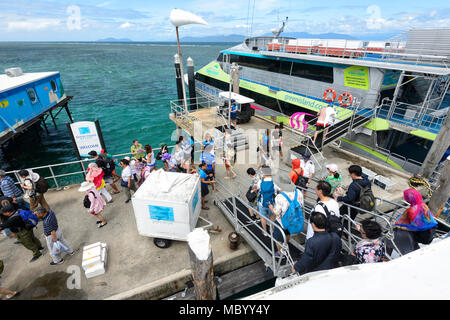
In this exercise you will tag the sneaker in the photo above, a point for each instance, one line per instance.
(71, 253)
(55, 263)
(41, 248)
(127, 201)
(35, 258)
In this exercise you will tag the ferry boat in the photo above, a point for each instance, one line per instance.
(398, 89)
(27, 99)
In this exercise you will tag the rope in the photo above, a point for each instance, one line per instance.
(418, 180)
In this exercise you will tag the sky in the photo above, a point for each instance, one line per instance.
(148, 20)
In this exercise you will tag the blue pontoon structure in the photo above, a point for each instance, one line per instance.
(29, 98)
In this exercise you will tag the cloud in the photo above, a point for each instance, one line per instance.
(104, 4)
(126, 25)
(32, 24)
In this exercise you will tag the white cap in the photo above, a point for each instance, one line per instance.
(332, 167)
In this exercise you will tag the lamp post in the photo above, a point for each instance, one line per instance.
(180, 18)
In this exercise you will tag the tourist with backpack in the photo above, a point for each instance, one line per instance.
(334, 178)
(95, 175)
(329, 207)
(94, 202)
(359, 193)
(34, 186)
(108, 165)
(288, 215)
(252, 193)
(53, 235)
(322, 251)
(21, 223)
(267, 192)
(296, 175)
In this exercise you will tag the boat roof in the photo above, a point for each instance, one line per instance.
(237, 97)
(8, 83)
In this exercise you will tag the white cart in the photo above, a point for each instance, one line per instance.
(167, 206)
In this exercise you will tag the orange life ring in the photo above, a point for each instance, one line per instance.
(325, 94)
(348, 99)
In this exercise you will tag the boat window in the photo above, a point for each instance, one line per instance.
(54, 86)
(302, 70)
(32, 95)
(220, 57)
(313, 72)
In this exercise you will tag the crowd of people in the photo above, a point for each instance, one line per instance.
(22, 209)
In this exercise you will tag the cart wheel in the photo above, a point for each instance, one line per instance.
(162, 243)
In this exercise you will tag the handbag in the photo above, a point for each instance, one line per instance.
(251, 196)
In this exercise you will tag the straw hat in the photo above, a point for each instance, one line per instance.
(85, 186)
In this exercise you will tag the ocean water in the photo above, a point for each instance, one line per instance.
(126, 86)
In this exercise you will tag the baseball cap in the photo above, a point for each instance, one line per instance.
(332, 167)
(266, 171)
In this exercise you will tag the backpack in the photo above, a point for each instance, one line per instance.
(41, 186)
(86, 201)
(28, 217)
(292, 220)
(366, 198)
(334, 223)
(108, 166)
(299, 176)
(267, 193)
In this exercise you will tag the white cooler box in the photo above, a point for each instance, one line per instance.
(167, 205)
(94, 259)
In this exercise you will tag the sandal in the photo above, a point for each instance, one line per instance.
(98, 222)
(102, 225)
(10, 296)
(116, 192)
(205, 208)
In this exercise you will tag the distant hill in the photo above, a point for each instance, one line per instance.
(216, 38)
(115, 40)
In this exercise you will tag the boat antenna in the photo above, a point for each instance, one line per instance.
(277, 32)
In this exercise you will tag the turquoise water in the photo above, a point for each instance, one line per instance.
(127, 86)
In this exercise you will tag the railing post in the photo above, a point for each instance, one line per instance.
(236, 220)
(54, 179)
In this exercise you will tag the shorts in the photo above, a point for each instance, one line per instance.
(277, 233)
(233, 116)
(265, 212)
(323, 125)
(204, 189)
(108, 180)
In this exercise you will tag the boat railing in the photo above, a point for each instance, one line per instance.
(396, 52)
(417, 116)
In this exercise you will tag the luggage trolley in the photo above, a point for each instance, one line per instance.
(167, 206)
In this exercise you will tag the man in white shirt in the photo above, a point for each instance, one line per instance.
(308, 170)
(324, 121)
(323, 190)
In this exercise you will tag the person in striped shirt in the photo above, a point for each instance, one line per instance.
(9, 189)
(52, 234)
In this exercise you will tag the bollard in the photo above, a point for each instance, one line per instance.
(234, 238)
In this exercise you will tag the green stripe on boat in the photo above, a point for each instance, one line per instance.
(374, 153)
(424, 134)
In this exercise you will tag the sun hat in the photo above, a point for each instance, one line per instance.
(85, 186)
(332, 167)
